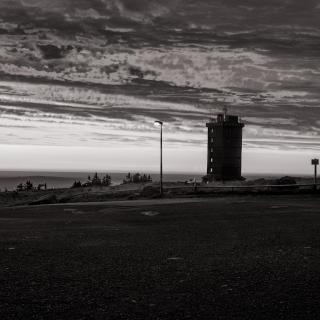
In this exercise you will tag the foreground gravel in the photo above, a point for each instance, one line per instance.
(225, 258)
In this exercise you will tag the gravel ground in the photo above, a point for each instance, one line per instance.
(224, 258)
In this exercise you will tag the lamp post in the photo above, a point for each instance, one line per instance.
(160, 123)
(315, 163)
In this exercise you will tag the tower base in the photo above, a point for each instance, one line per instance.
(212, 178)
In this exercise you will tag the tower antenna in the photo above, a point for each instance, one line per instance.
(225, 111)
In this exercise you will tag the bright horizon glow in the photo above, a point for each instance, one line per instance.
(83, 83)
(146, 159)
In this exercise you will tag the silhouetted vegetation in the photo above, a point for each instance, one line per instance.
(28, 186)
(137, 178)
(42, 186)
(76, 184)
(94, 181)
(25, 187)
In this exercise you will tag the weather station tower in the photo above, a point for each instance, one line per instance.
(224, 147)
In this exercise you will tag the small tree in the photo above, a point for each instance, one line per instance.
(29, 185)
(106, 180)
(136, 178)
(96, 181)
(76, 184)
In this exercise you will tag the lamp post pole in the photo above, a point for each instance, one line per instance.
(161, 180)
(315, 162)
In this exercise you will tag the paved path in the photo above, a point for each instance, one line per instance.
(224, 258)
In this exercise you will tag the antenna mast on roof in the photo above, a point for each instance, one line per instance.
(225, 111)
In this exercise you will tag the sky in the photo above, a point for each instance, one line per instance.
(82, 81)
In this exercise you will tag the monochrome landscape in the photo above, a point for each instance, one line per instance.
(158, 159)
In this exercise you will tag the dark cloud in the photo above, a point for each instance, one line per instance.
(53, 52)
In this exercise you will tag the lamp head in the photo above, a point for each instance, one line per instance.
(158, 123)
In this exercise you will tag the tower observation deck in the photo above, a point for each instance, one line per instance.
(224, 147)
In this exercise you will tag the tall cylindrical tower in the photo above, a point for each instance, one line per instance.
(224, 147)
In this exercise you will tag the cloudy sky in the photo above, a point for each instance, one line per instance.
(83, 80)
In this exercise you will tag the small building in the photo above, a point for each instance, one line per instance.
(224, 147)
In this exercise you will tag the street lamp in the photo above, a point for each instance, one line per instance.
(160, 123)
(315, 163)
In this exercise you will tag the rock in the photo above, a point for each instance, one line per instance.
(50, 51)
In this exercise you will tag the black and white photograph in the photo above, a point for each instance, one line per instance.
(159, 159)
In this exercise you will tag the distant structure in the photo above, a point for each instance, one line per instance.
(224, 147)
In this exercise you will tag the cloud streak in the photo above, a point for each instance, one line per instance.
(99, 72)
